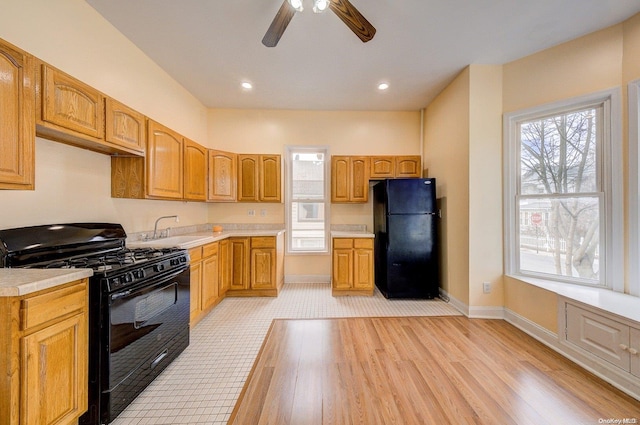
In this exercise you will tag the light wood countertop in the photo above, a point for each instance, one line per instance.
(17, 282)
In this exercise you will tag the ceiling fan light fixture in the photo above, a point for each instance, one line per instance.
(296, 4)
(320, 6)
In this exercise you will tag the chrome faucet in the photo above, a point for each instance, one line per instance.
(155, 227)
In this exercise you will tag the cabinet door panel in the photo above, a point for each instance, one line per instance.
(210, 276)
(17, 107)
(72, 104)
(124, 126)
(222, 176)
(164, 162)
(408, 166)
(195, 290)
(359, 179)
(269, 178)
(598, 335)
(239, 270)
(225, 265)
(248, 178)
(383, 167)
(363, 269)
(195, 171)
(342, 268)
(54, 372)
(340, 180)
(263, 268)
(635, 345)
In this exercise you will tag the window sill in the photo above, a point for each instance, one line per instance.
(624, 305)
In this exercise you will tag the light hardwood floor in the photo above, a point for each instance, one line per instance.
(419, 370)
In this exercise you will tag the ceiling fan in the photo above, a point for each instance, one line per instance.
(345, 11)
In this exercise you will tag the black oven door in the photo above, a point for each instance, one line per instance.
(148, 328)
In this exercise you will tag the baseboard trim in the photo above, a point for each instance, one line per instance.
(455, 303)
(479, 312)
(307, 278)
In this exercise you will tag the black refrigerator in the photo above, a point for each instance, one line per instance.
(405, 225)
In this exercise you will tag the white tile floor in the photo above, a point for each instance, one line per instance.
(202, 385)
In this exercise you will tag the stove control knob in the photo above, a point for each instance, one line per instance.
(113, 282)
(158, 267)
(127, 278)
(138, 274)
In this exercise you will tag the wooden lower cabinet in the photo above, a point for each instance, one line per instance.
(352, 266)
(238, 267)
(225, 267)
(257, 266)
(205, 275)
(44, 356)
(239, 264)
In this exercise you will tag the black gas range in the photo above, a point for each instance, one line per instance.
(138, 304)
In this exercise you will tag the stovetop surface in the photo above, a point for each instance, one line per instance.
(113, 261)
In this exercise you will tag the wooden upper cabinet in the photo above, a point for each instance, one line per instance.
(408, 166)
(383, 167)
(349, 179)
(222, 176)
(124, 126)
(259, 178)
(72, 112)
(389, 167)
(359, 179)
(17, 128)
(269, 178)
(195, 171)
(71, 104)
(248, 177)
(164, 162)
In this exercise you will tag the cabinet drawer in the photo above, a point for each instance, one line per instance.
(598, 335)
(195, 254)
(363, 243)
(263, 242)
(210, 249)
(39, 309)
(343, 243)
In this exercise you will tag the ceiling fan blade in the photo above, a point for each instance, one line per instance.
(278, 25)
(354, 19)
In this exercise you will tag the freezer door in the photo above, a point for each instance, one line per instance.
(411, 196)
(412, 264)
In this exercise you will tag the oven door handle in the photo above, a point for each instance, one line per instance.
(120, 295)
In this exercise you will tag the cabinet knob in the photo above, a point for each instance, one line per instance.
(624, 347)
(633, 351)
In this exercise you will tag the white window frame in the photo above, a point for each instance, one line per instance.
(634, 187)
(612, 276)
(289, 149)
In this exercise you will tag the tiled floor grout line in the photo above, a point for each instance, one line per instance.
(202, 385)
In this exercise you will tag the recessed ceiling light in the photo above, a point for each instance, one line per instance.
(383, 86)
(247, 85)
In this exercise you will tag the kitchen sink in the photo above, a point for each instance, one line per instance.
(180, 241)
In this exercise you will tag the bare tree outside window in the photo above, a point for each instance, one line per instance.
(560, 199)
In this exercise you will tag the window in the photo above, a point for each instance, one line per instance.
(563, 192)
(307, 207)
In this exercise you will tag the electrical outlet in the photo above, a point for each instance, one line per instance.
(263, 213)
(251, 212)
(486, 287)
